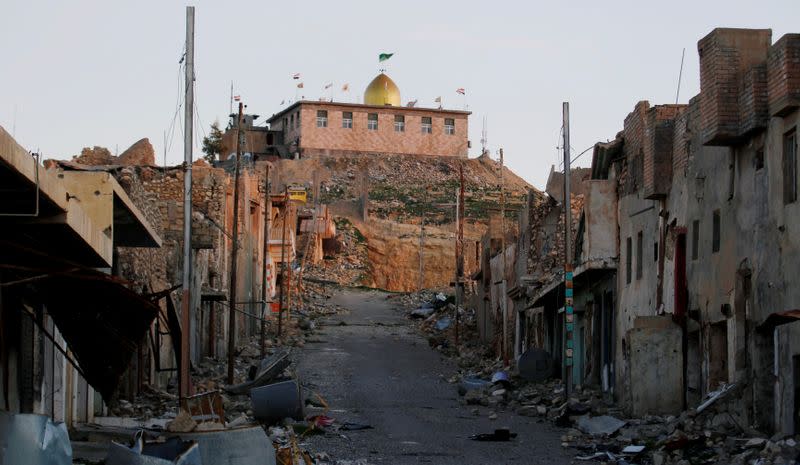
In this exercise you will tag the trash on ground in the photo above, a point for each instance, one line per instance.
(29, 438)
(444, 323)
(172, 451)
(600, 425)
(269, 369)
(349, 426)
(274, 402)
(499, 435)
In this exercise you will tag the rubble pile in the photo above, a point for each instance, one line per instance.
(344, 257)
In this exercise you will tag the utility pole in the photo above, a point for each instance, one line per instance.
(422, 243)
(460, 246)
(183, 380)
(504, 284)
(264, 257)
(569, 312)
(283, 259)
(234, 250)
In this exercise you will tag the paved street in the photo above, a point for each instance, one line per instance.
(373, 367)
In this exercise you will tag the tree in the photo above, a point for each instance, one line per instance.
(212, 144)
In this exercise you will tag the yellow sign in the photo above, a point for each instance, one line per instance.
(298, 194)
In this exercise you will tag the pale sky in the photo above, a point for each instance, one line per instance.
(85, 73)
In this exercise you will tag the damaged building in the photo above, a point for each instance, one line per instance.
(686, 240)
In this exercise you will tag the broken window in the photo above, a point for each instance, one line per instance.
(449, 126)
(427, 127)
(790, 167)
(628, 259)
(372, 121)
(347, 119)
(758, 161)
(695, 239)
(322, 118)
(655, 251)
(399, 123)
(715, 233)
(639, 254)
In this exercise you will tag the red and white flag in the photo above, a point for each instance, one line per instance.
(461, 91)
(237, 97)
(296, 76)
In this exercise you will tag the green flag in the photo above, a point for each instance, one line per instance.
(384, 56)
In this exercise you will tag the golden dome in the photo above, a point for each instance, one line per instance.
(382, 91)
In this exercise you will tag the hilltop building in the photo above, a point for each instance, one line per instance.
(378, 126)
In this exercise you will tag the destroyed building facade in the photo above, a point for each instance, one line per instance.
(687, 242)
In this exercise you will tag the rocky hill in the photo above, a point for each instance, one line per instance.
(400, 192)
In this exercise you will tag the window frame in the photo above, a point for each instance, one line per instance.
(372, 121)
(347, 123)
(789, 165)
(695, 239)
(450, 128)
(426, 127)
(322, 118)
(628, 260)
(716, 231)
(399, 123)
(639, 255)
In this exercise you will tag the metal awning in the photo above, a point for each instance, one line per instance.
(100, 318)
(779, 318)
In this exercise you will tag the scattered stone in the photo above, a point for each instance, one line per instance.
(183, 423)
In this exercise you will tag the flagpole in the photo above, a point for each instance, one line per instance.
(230, 107)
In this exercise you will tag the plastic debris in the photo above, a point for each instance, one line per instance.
(600, 425)
(499, 435)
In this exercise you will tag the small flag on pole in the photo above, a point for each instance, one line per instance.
(438, 100)
(384, 56)
(237, 97)
(296, 76)
(282, 102)
(329, 85)
(345, 87)
(461, 91)
(300, 85)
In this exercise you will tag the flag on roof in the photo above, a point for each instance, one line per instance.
(237, 97)
(329, 85)
(300, 85)
(345, 87)
(461, 91)
(438, 100)
(296, 76)
(282, 102)
(384, 56)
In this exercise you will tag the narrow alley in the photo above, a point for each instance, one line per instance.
(374, 369)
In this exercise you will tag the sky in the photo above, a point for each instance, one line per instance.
(84, 73)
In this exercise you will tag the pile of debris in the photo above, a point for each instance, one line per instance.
(345, 257)
(601, 432)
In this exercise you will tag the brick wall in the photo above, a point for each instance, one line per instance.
(783, 75)
(725, 56)
(753, 105)
(336, 139)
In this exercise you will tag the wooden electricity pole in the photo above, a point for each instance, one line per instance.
(568, 310)
(504, 284)
(265, 258)
(459, 246)
(234, 251)
(421, 284)
(186, 304)
(283, 260)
